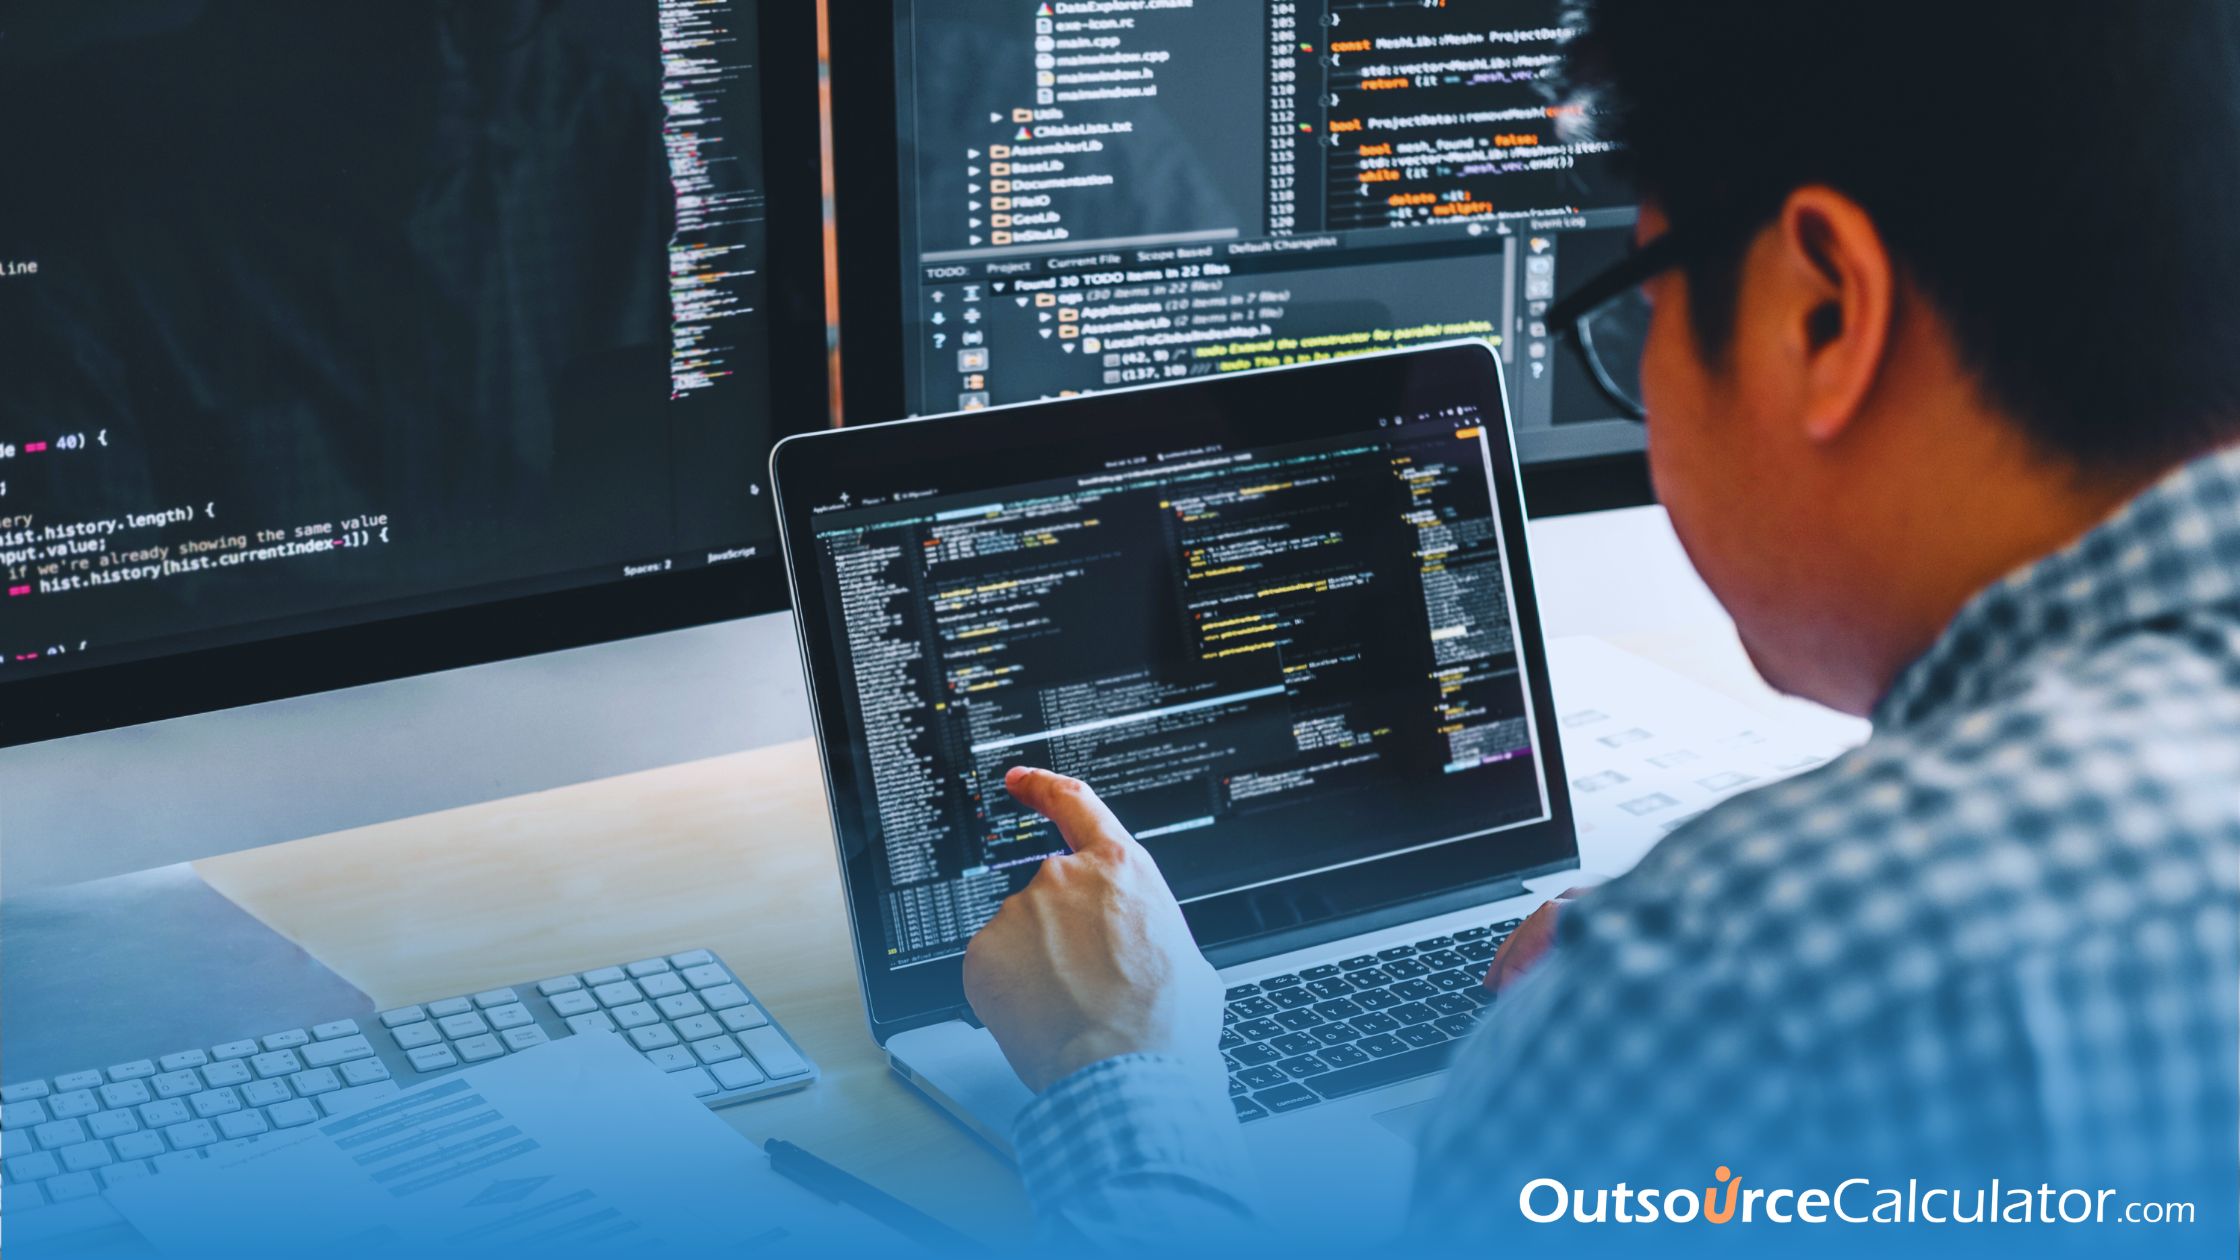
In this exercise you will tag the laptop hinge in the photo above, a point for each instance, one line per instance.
(1284, 940)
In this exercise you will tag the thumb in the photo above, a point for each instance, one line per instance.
(1083, 819)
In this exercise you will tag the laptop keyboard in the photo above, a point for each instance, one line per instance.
(1327, 1032)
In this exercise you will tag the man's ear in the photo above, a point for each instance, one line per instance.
(1837, 291)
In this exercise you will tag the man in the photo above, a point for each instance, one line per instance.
(1943, 387)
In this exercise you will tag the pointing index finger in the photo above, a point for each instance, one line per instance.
(1082, 818)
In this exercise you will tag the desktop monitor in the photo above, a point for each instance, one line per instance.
(1042, 199)
(372, 337)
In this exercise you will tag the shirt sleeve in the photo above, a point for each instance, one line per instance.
(1124, 1153)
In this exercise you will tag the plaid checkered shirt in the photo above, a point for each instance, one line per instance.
(2004, 934)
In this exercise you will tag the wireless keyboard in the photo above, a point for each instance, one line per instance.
(76, 1134)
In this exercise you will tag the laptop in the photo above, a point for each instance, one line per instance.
(1283, 622)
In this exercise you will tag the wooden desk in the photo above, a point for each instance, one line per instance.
(733, 853)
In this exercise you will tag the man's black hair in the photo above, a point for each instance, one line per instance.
(2060, 178)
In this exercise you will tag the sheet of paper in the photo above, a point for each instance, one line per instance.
(1646, 749)
(577, 1146)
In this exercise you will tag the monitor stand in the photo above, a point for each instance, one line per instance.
(137, 966)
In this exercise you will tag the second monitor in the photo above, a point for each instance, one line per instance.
(1076, 196)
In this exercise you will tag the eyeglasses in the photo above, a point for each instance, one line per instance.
(1607, 321)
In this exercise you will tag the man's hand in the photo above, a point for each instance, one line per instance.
(1092, 959)
(1528, 944)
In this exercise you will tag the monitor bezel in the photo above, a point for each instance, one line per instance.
(1257, 922)
(100, 697)
(866, 174)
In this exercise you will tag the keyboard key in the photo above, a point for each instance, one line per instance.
(1357, 962)
(672, 1058)
(1380, 1072)
(1442, 959)
(1455, 1025)
(1478, 951)
(277, 1063)
(116, 1173)
(215, 1102)
(620, 993)
(287, 1040)
(706, 976)
(14, 1142)
(1414, 990)
(697, 1080)
(75, 1103)
(71, 1185)
(77, 1080)
(449, 1006)
(724, 996)
(1337, 1008)
(60, 1133)
(1405, 969)
(662, 984)
(1260, 1029)
(1434, 942)
(344, 1101)
(1334, 1034)
(1257, 1052)
(32, 1167)
(432, 1058)
(163, 1113)
(1473, 934)
(230, 1071)
(1294, 1043)
(129, 1093)
(288, 1115)
(1382, 1045)
(464, 1024)
(141, 1145)
(243, 1124)
(364, 1071)
(1263, 1076)
(1397, 951)
(316, 1081)
(716, 1049)
(132, 1071)
(496, 997)
(521, 1038)
(339, 1050)
(652, 1037)
(1414, 1013)
(604, 975)
(1335, 987)
(635, 1015)
(191, 1134)
(558, 985)
(401, 1016)
(1304, 1065)
(771, 1051)
(1342, 1056)
(178, 1084)
(1270, 984)
(691, 958)
(592, 1021)
(1299, 1020)
(1456, 981)
(266, 1093)
(647, 966)
(566, 1005)
(1287, 1097)
(233, 1049)
(694, 1027)
(679, 1005)
(511, 1015)
(1240, 991)
(1323, 972)
(109, 1124)
(476, 1049)
(741, 1018)
(1452, 1004)
(1292, 997)
(23, 1115)
(1248, 1110)
(333, 1029)
(413, 1036)
(737, 1073)
(23, 1091)
(1253, 1007)
(85, 1155)
(1421, 1035)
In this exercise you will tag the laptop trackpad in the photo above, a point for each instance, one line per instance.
(1407, 1122)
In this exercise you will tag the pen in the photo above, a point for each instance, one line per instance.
(840, 1186)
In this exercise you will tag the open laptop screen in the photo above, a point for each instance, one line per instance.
(1274, 620)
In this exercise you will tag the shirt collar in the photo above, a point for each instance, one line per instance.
(2172, 550)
